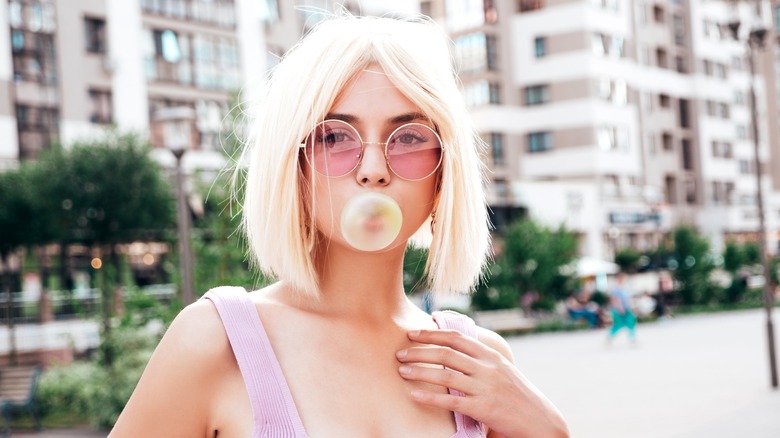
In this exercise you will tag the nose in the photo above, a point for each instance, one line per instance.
(372, 169)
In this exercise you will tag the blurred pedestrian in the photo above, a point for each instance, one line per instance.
(362, 146)
(579, 306)
(620, 305)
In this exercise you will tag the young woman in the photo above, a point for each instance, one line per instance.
(362, 145)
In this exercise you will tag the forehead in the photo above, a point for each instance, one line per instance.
(372, 96)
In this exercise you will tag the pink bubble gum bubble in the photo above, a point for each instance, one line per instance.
(371, 221)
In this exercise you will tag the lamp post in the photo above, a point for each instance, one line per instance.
(755, 42)
(177, 136)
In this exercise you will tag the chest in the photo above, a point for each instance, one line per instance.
(342, 383)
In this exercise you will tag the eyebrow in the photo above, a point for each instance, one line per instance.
(403, 118)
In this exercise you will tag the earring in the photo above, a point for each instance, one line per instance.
(433, 220)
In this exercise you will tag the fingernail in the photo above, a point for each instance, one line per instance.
(405, 370)
(417, 394)
(414, 333)
(401, 354)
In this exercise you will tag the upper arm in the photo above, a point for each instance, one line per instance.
(174, 393)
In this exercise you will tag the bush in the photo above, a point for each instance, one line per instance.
(90, 392)
(628, 259)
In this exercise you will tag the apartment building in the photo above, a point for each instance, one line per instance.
(621, 119)
(71, 68)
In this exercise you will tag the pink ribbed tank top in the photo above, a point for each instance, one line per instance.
(274, 410)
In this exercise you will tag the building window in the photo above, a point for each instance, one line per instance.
(658, 14)
(682, 67)
(670, 189)
(667, 141)
(539, 141)
(663, 100)
(536, 95)
(95, 34)
(722, 149)
(491, 52)
(723, 110)
(679, 30)
(719, 70)
(611, 138)
(495, 92)
(742, 132)
(661, 58)
(687, 154)
(717, 192)
(38, 128)
(540, 47)
(746, 167)
(691, 191)
(473, 53)
(33, 57)
(739, 98)
(497, 148)
(491, 13)
(529, 5)
(614, 91)
(685, 120)
(710, 105)
(221, 13)
(777, 18)
(481, 93)
(101, 106)
(613, 46)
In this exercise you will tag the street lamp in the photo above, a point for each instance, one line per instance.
(177, 136)
(755, 42)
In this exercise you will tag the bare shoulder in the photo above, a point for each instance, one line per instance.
(173, 397)
(496, 342)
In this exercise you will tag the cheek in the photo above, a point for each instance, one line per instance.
(418, 205)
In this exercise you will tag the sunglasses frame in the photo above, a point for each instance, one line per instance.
(363, 144)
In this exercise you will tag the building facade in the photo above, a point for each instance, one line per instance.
(622, 120)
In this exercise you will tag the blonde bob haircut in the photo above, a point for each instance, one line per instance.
(299, 92)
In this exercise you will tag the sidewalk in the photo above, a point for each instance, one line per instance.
(694, 376)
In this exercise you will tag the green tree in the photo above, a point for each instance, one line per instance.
(627, 259)
(733, 258)
(106, 192)
(533, 260)
(219, 245)
(693, 266)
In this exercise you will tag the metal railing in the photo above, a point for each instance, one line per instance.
(69, 305)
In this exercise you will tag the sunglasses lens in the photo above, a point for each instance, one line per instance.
(414, 151)
(333, 148)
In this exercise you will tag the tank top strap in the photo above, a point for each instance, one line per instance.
(272, 402)
(449, 320)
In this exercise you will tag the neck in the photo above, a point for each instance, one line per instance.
(364, 286)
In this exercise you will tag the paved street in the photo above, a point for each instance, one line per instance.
(690, 377)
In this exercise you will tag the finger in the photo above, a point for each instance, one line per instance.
(437, 355)
(438, 376)
(455, 340)
(450, 402)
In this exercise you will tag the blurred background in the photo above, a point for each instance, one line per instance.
(639, 136)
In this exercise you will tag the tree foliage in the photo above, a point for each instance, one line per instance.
(532, 260)
(693, 266)
(107, 190)
(628, 259)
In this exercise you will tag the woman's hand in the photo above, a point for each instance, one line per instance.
(495, 392)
